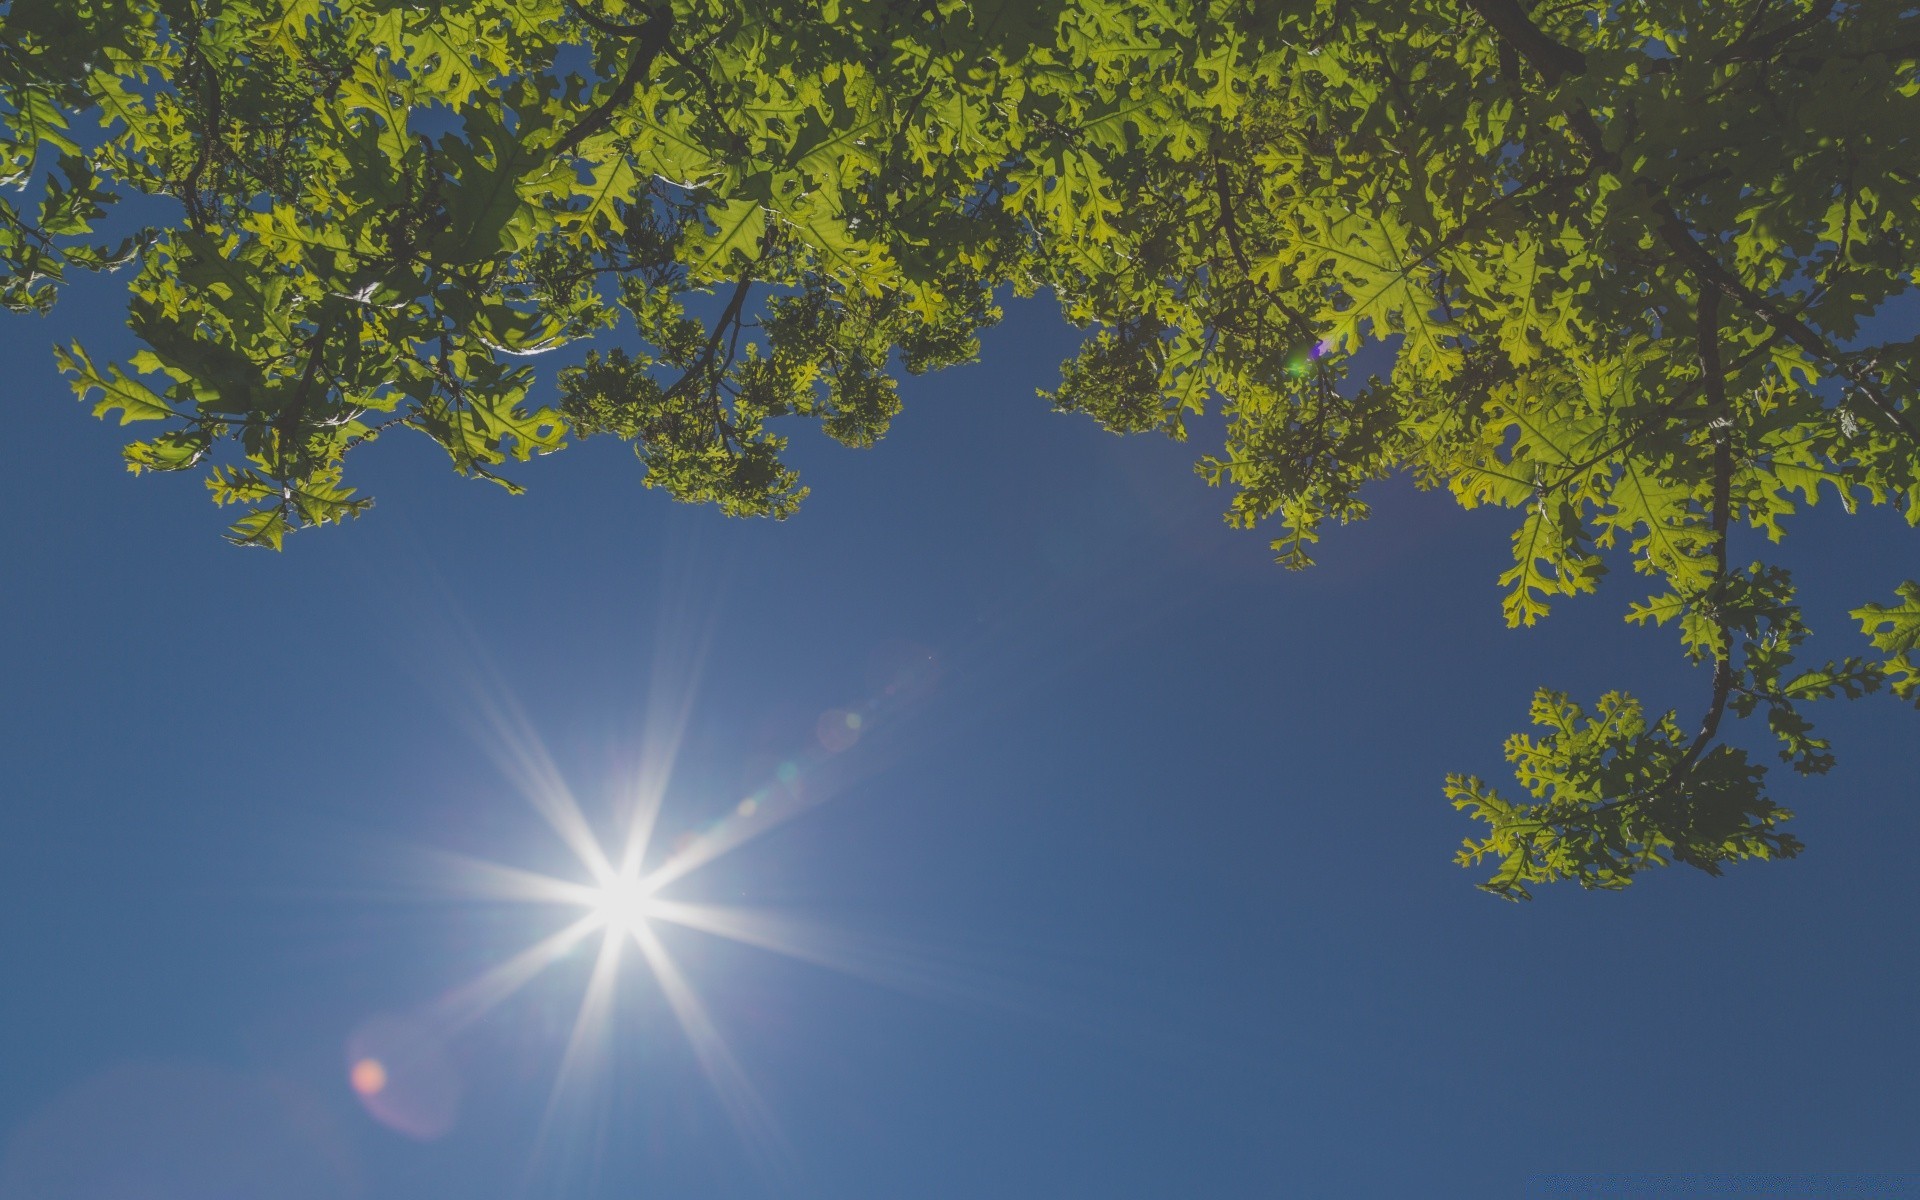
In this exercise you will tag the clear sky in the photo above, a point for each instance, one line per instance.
(1141, 870)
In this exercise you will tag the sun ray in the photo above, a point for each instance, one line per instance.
(895, 965)
(800, 785)
(566, 1125)
(587, 1040)
(473, 999)
(648, 793)
(523, 758)
(670, 694)
(618, 892)
(736, 1092)
(762, 812)
(618, 885)
(481, 879)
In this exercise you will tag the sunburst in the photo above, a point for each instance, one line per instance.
(617, 894)
(618, 905)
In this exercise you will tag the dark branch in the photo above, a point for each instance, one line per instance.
(209, 136)
(701, 368)
(1512, 23)
(650, 40)
(1228, 224)
(608, 27)
(1713, 376)
(1768, 44)
(287, 423)
(1515, 28)
(1707, 268)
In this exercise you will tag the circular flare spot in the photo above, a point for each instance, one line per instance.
(403, 1076)
(837, 729)
(369, 1077)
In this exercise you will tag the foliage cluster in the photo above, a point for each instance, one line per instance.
(1626, 261)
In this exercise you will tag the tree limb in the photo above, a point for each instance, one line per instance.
(1551, 59)
(1555, 61)
(1770, 43)
(1228, 225)
(1707, 268)
(1712, 374)
(287, 423)
(651, 38)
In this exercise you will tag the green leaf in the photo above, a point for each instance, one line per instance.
(1895, 629)
(131, 398)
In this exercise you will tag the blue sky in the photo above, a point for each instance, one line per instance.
(1150, 877)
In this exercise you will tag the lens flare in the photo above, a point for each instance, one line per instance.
(398, 1069)
(838, 729)
(401, 1072)
(368, 1077)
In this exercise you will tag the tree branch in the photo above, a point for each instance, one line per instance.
(1707, 268)
(1770, 43)
(1507, 19)
(1228, 225)
(1713, 377)
(608, 27)
(702, 366)
(287, 423)
(1555, 62)
(209, 135)
(1712, 374)
(650, 40)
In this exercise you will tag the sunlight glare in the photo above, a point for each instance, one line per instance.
(616, 892)
(623, 903)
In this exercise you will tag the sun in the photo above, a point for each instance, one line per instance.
(619, 901)
(621, 896)
(623, 903)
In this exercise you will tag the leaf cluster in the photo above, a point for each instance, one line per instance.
(1615, 269)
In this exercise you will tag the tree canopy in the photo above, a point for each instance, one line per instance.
(1626, 269)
